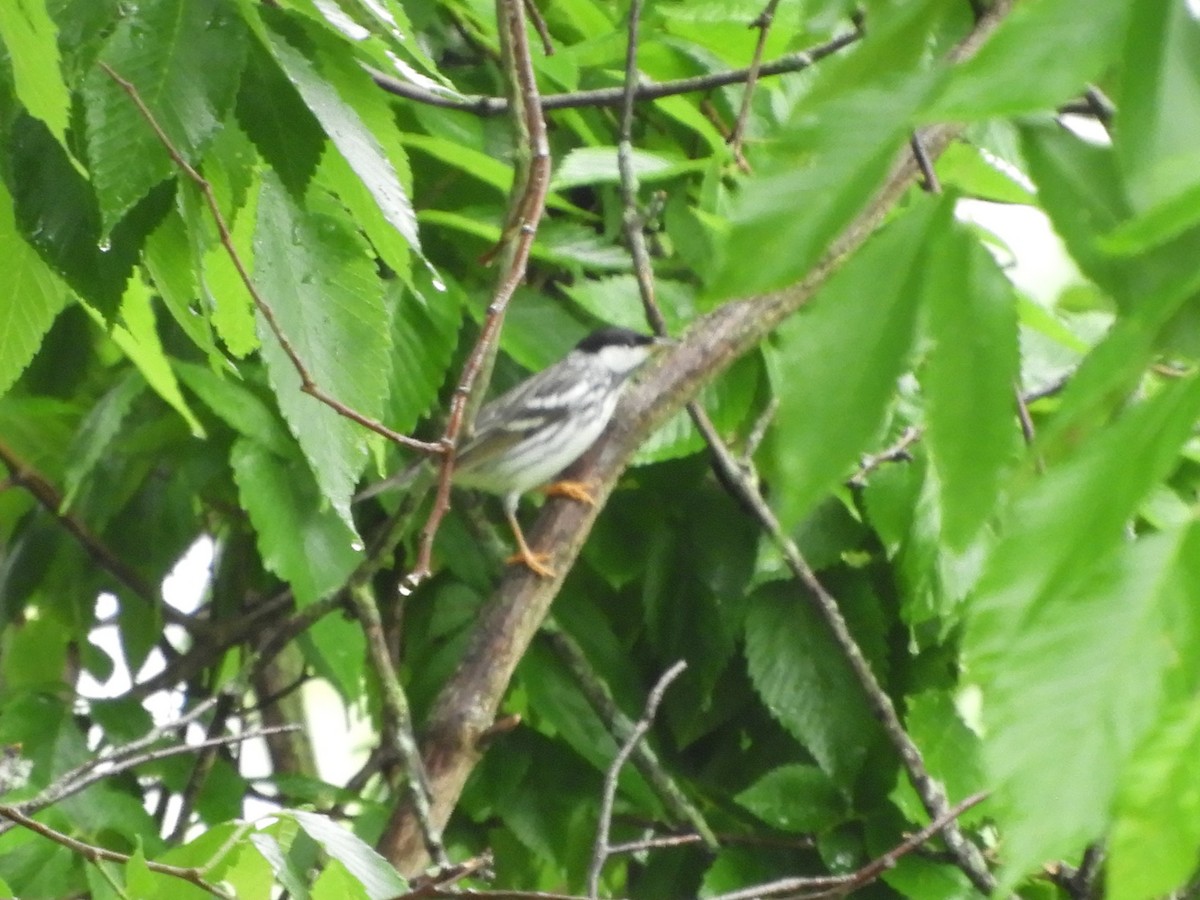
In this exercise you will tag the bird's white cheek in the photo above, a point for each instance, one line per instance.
(622, 359)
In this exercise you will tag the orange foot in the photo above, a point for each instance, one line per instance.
(536, 562)
(574, 490)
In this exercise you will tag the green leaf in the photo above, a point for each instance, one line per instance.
(274, 116)
(1050, 38)
(184, 58)
(31, 297)
(299, 538)
(836, 365)
(806, 683)
(96, 433)
(355, 116)
(31, 38)
(968, 377)
(795, 798)
(1158, 142)
(830, 159)
(1063, 630)
(313, 272)
(953, 753)
(243, 410)
(803, 203)
(1156, 836)
(371, 870)
(56, 212)
(168, 259)
(1154, 227)
(138, 339)
(425, 328)
(615, 299)
(598, 165)
(336, 883)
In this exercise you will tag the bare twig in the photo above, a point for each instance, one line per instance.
(64, 788)
(931, 792)
(738, 135)
(530, 186)
(397, 719)
(897, 452)
(539, 25)
(620, 726)
(929, 179)
(615, 96)
(23, 475)
(601, 850)
(307, 384)
(95, 855)
(819, 888)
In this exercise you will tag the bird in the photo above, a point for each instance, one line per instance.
(525, 437)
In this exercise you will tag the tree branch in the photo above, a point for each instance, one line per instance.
(469, 701)
(614, 96)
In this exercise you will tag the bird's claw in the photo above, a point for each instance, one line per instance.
(536, 562)
(574, 490)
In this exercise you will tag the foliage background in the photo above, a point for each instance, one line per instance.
(1025, 596)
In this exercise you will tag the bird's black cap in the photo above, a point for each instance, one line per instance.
(612, 336)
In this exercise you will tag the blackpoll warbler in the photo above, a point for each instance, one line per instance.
(525, 437)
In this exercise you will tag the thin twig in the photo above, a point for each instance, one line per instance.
(601, 850)
(620, 726)
(929, 179)
(818, 888)
(737, 136)
(397, 719)
(94, 854)
(307, 384)
(530, 186)
(931, 792)
(897, 452)
(539, 25)
(493, 106)
(61, 789)
(23, 475)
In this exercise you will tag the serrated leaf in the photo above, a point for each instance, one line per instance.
(375, 873)
(31, 297)
(806, 683)
(138, 339)
(31, 38)
(184, 58)
(968, 377)
(168, 259)
(837, 362)
(425, 337)
(795, 798)
(340, 99)
(274, 116)
(313, 272)
(1048, 38)
(299, 537)
(240, 408)
(56, 212)
(97, 431)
